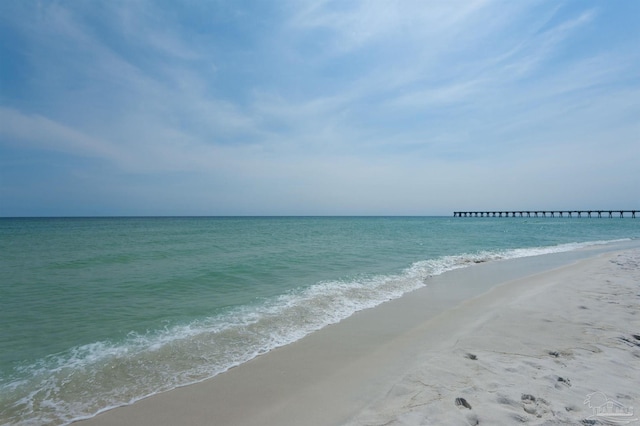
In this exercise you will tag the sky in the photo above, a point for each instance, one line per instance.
(317, 107)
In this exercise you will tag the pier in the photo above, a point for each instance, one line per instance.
(549, 213)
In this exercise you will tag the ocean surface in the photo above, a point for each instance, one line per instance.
(101, 312)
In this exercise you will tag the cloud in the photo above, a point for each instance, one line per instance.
(351, 25)
(308, 102)
(37, 132)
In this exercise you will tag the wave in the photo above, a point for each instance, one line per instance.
(86, 380)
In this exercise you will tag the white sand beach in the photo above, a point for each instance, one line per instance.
(531, 351)
(500, 343)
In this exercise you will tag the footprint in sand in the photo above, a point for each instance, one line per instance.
(534, 406)
(461, 402)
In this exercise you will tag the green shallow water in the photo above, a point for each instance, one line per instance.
(176, 300)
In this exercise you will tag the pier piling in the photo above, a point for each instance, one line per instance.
(545, 213)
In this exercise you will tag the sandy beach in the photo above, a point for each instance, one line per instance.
(551, 339)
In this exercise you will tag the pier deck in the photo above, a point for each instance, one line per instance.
(547, 213)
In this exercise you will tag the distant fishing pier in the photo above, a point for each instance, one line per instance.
(548, 213)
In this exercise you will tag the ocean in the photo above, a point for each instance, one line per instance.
(100, 312)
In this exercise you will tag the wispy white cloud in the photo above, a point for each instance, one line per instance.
(146, 28)
(353, 25)
(535, 49)
(334, 98)
(37, 132)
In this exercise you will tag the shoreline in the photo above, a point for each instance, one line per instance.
(364, 369)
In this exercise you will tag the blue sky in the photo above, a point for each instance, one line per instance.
(317, 107)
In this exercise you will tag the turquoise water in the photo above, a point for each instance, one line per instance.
(100, 312)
